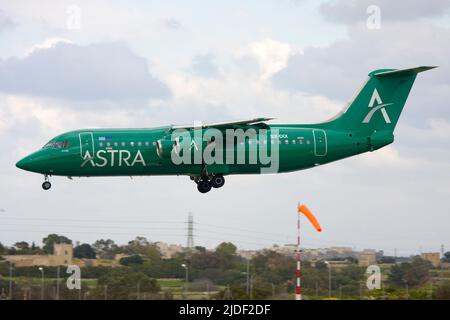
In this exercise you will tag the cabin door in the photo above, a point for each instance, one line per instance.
(86, 145)
(320, 142)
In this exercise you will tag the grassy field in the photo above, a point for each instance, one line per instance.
(175, 287)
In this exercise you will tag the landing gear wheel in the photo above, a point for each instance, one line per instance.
(204, 186)
(217, 181)
(46, 185)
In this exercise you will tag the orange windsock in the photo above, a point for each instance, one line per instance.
(304, 209)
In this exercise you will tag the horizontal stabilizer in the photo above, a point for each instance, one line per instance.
(402, 72)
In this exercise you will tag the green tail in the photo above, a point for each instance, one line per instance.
(378, 105)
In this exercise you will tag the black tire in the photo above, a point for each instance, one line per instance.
(217, 181)
(204, 186)
(46, 185)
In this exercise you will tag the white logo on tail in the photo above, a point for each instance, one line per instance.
(380, 106)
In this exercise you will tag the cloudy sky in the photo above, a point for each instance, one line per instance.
(68, 65)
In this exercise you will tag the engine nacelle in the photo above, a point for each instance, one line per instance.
(164, 147)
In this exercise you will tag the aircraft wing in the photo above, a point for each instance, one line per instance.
(225, 124)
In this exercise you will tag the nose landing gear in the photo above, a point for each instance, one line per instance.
(46, 185)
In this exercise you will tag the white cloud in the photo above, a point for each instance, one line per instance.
(271, 56)
(46, 44)
(387, 157)
(92, 72)
(352, 11)
(337, 70)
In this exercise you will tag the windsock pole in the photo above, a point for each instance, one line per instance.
(301, 208)
(298, 287)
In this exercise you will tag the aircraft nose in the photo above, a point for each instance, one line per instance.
(24, 163)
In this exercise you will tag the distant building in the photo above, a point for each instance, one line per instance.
(62, 256)
(367, 257)
(287, 249)
(247, 254)
(337, 265)
(433, 257)
(168, 250)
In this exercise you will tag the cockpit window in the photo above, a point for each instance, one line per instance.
(48, 145)
(57, 144)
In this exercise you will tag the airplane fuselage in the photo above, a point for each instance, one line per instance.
(133, 152)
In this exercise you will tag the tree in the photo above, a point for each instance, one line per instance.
(396, 275)
(446, 257)
(442, 292)
(106, 249)
(22, 245)
(206, 260)
(273, 266)
(387, 259)
(51, 239)
(418, 272)
(2, 248)
(412, 273)
(200, 249)
(226, 249)
(131, 260)
(142, 246)
(321, 265)
(122, 283)
(84, 251)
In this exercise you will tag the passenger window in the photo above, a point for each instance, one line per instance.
(123, 144)
(100, 144)
(116, 144)
(132, 143)
(139, 143)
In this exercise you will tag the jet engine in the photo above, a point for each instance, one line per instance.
(164, 147)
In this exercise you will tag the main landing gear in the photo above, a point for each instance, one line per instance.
(46, 185)
(205, 184)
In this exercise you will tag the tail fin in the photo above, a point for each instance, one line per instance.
(378, 105)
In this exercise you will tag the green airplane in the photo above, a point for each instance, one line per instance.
(208, 152)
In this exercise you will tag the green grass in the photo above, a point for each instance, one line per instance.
(38, 280)
(172, 283)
